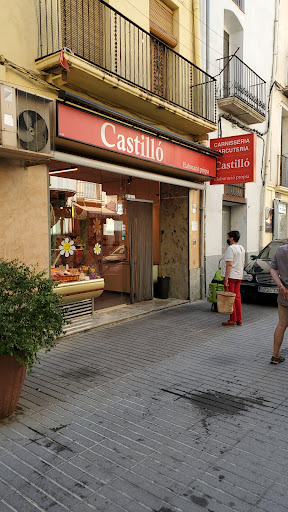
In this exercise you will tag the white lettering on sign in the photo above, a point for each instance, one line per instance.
(235, 164)
(103, 134)
(141, 145)
(237, 149)
(240, 178)
(195, 168)
(235, 142)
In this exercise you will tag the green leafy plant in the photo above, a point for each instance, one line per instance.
(30, 318)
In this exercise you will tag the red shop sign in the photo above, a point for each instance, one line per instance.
(238, 163)
(87, 128)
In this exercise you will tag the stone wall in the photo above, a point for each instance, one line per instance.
(174, 239)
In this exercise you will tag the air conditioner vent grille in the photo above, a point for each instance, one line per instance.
(32, 131)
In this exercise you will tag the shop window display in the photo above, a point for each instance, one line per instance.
(105, 235)
(86, 227)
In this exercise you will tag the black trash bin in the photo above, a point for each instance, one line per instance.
(163, 287)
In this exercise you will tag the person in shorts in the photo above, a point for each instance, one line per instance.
(232, 269)
(279, 274)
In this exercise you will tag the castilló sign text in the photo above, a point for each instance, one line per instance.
(238, 161)
(84, 127)
(141, 145)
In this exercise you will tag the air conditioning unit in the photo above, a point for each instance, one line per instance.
(25, 121)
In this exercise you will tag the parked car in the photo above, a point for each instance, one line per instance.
(257, 282)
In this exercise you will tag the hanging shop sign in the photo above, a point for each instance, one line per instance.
(88, 128)
(238, 163)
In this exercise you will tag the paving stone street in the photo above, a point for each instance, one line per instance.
(168, 412)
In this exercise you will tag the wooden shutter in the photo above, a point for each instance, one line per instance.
(82, 28)
(161, 22)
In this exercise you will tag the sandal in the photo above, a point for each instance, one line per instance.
(277, 360)
(229, 323)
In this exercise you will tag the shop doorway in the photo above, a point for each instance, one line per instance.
(140, 236)
(226, 226)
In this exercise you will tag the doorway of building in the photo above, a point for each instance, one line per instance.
(226, 225)
(226, 71)
(140, 236)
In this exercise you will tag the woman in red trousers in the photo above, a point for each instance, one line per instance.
(232, 269)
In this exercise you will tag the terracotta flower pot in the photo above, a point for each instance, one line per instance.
(12, 376)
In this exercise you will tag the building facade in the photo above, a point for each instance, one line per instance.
(241, 59)
(275, 211)
(105, 111)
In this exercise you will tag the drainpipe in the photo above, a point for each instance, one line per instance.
(196, 33)
(203, 246)
(269, 130)
(203, 193)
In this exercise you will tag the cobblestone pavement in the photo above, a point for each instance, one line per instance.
(166, 413)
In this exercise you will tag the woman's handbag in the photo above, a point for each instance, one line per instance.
(225, 302)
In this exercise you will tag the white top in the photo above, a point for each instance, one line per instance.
(235, 253)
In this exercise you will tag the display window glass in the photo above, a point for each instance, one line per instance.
(89, 229)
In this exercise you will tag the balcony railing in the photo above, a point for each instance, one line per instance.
(239, 81)
(96, 32)
(241, 4)
(284, 171)
(237, 190)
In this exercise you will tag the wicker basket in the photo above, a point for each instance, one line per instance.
(225, 302)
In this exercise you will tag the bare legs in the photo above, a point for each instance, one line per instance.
(278, 338)
(280, 329)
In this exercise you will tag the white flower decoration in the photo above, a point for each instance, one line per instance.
(67, 247)
(97, 249)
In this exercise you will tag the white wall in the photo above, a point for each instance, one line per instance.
(256, 51)
(278, 130)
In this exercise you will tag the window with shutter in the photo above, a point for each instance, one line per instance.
(161, 22)
(226, 49)
(161, 26)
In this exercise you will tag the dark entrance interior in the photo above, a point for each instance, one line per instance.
(140, 235)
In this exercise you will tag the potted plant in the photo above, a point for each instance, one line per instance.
(30, 319)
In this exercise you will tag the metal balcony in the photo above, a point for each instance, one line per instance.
(234, 193)
(241, 91)
(107, 40)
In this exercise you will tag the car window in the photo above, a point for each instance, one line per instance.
(269, 251)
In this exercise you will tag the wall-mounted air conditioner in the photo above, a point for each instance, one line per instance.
(24, 121)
